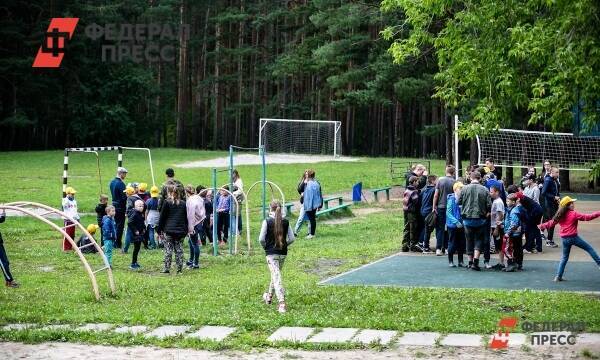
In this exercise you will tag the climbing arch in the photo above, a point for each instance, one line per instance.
(40, 212)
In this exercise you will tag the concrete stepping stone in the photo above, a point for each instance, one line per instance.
(383, 337)
(333, 335)
(294, 334)
(462, 340)
(56, 327)
(168, 331)
(133, 330)
(215, 333)
(20, 326)
(419, 338)
(95, 327)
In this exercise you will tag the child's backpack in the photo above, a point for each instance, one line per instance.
(83, 241)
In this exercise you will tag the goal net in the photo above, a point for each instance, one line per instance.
(300, 136)
(520, 148)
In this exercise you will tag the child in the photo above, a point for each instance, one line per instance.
(456, 231)
(550, 196)
(132, 197)
(152, 216)
(223, 206)
(275, 237)
(496, 221)
(109, 233)
(568, 218)
(101, 211)
(138, 228)
(410, 205)
(142, 193)
(195, 216)
(512, 245)
(84, 243)
(4, 264)
(69, 206)
(428, 217)
(208, 207)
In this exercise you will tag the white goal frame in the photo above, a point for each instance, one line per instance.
(337, 127)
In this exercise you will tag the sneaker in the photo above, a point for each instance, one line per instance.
(520, 267)
(534, 251)
(310, 236)
(498, 267)
(195, 267)
(525, 251)
(427, 251)
(189, 263)
(451, 265)
(132, 267)
(475, 268)
(281, 308)
(487, 265)
(557, 279)
(461, 264)
(137, 266)
(12, 284)
(405, 249)
(544, 237)
(551, 244)
(438, 252)
(180, 269)
(419, 248)
(165, 271)
(416, 249)
(267, 298)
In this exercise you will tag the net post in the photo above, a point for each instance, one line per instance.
(119, 157)
(264, 184)
(65, 173)
(456, 161)
(215, 220)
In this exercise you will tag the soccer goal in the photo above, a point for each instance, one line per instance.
(300, 136)
(520, 148)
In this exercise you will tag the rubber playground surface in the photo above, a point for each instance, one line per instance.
(417, 270)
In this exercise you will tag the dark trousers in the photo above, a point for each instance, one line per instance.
(533, 235)
(550, 209)
(441, 235)
(207, 232)
(193, 242)
(517, 242)
(120, 222)
(312, 218)
(137, 244)
(425, 235)
(411, 232)
(4, 264)
(456, 244)
(486, 242)
(222, 226)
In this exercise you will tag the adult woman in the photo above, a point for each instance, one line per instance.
(313, 201)
(302, 215)
(238, 192)
(173, 227)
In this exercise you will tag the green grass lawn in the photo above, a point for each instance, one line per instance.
(227, 289)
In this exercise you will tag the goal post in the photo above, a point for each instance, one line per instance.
(512, 148)
(300, 136)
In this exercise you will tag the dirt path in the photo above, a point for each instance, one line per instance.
(68, 351)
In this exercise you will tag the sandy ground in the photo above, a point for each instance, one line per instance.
(68, 351)
(250, 159)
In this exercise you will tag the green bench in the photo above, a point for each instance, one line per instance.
(387, 192)
(331, 209)
(333, 198)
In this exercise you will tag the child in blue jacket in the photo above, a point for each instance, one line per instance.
(456, 231)
(109, 233)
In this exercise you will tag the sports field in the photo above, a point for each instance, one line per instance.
(227, 289)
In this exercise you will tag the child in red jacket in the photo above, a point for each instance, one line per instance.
(567, 218)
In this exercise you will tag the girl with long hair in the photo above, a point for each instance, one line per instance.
(275, 236)
(568, 218)
(173, 227)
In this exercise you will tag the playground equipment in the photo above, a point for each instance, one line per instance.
(94, 150)
(33, 209)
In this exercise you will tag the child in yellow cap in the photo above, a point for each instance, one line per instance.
(69, 207)
(84, 243)
(132, 197)
(152, 216)
(568, 219)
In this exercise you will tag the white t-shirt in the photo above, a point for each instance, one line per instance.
(70, 208)
(532, 192)
(497, 207)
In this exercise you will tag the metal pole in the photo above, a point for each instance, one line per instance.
(215, 221)
(232, 227)
(65, 172)
(264, 184)
(120, 157)
(456, 163)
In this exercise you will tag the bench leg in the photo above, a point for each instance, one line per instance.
(387, 194)
(341, 201)
(375, 194)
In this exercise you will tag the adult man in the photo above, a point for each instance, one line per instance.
(475, 204)
(119, 201)
(4, 264)
(443, 188)
(550, 196)
(170, 173)
(489, 162)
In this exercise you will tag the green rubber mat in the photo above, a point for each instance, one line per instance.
(433, 271)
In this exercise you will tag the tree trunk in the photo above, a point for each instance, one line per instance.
(182, 85)
(217, 88)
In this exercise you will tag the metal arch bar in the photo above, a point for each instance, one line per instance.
(64, 233)
(19, 205)
(247, 212)
(270, 183)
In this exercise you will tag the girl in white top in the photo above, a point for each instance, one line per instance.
(238, 192)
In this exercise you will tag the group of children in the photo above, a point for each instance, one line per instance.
(508, 216)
